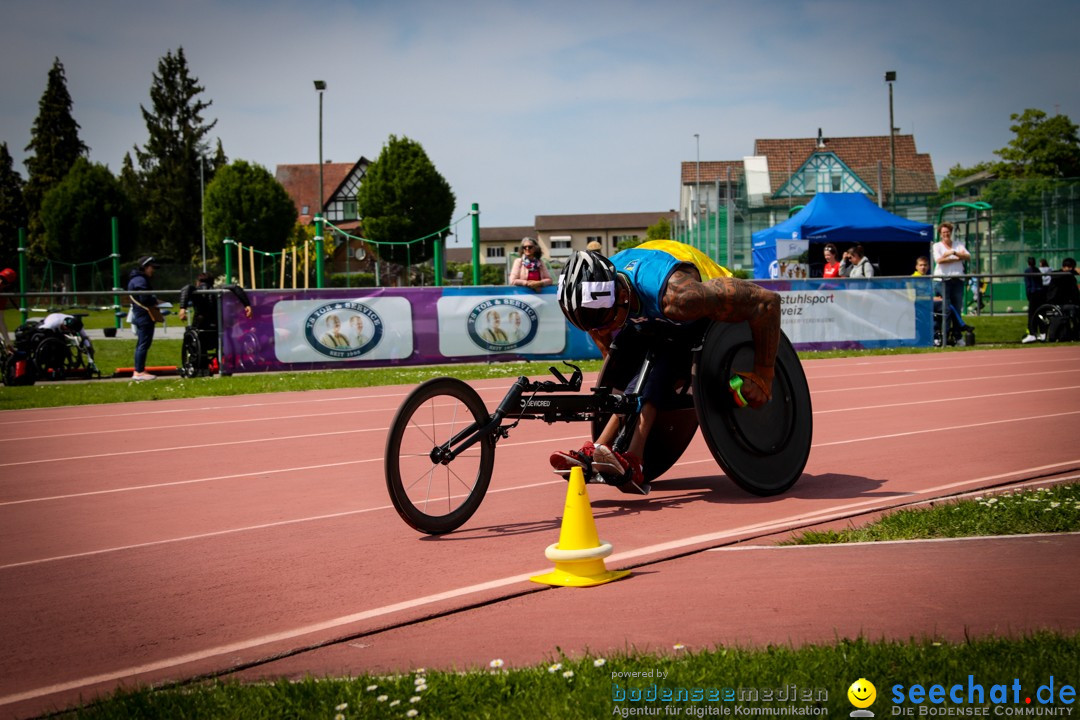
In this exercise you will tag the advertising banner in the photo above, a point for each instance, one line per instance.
(478, 325)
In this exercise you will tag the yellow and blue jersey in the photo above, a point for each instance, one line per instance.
(649, 266)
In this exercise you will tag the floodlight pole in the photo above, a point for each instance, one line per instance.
(890, 77)
(697, 190)
(320, 86)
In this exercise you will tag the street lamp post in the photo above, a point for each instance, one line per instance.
(890, 77)
(697, 189)
(320, 86)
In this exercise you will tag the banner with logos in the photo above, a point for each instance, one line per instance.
(376, 327)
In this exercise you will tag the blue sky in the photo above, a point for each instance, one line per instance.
(549, 107)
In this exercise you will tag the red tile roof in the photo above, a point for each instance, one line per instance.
(914, 170)
(302, 184)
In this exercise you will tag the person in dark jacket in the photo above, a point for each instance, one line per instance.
(142, 297)
(205, 316)
(1036, 296)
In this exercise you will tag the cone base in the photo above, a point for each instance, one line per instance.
(579, 574)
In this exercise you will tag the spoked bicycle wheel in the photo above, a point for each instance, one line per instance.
(190, 352)
(432, 496)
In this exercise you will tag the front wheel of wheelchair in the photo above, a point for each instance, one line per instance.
(431, 496)
(762, 450)
(190, 354)
(1044, 316)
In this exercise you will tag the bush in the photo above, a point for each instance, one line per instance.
(362, 279)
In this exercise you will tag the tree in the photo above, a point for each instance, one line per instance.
(403, 197)
(170, 201)
(12, 207)
(55, 144)
(246, 203)
(1042, 147)
(77, 214)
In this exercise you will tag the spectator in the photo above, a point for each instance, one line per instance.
(7, 285)
(857, 264)
(1036, 296)
(70, 325)
(1045, 269)
(144, 312)
(206, 316)
(529, 269)
(949, 258)
(1063, 290)
(922, 267)
(594, 246)
(832, 264)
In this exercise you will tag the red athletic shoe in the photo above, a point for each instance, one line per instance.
(563, 462)
(623, 470)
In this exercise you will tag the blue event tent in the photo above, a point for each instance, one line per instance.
(844, 219)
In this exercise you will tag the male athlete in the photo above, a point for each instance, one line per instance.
(659, 283)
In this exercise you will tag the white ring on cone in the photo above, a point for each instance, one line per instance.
(554, 554)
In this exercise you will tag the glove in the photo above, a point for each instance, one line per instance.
(736, 385)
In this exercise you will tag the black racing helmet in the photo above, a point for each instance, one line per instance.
(587, 290)
(72, 324)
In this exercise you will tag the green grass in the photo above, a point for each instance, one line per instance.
(584, 687)
(1044, 510)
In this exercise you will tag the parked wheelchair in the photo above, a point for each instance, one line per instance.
(199, 352)
(1057, 323)
(54, 354)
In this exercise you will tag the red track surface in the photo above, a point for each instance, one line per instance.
(157, 541)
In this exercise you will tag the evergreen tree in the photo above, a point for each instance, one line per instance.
(55, 144)
(403, 197)
(131, 184)
(12, 208)
(170, 203)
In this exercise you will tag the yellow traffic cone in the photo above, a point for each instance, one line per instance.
(579, 554)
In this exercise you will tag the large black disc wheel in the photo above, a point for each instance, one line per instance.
(432, 495)
(763, 450)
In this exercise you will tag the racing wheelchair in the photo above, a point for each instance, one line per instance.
(440, 449)
(54, 354)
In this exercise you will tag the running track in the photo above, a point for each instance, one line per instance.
(148, 542)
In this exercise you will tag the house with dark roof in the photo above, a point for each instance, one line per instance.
(783, 173)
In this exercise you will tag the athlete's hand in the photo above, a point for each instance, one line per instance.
(755, 390)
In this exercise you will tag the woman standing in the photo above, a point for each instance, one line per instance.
(529, 269)
(949, 258)
(832, 262)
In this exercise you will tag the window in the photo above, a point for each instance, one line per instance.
(616, 239)
(836, 179)
(560, 244)
(305, 210)
(496, 252)
(593, 238)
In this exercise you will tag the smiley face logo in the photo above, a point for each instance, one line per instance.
(862, 693)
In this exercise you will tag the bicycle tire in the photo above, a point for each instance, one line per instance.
(421, 488)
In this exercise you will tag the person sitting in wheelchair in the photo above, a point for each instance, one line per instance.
(72, 326)
(659, 283)
(204, 319)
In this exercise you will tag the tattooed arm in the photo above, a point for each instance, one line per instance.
(731, 300)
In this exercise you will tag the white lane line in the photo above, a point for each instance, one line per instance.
(202, 423)
(302, 468)
(968, 426)
(931, 381)
(884, 543)
(415, 603)
(946, 400)
(249, 528)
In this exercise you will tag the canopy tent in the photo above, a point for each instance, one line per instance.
(844, 219)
